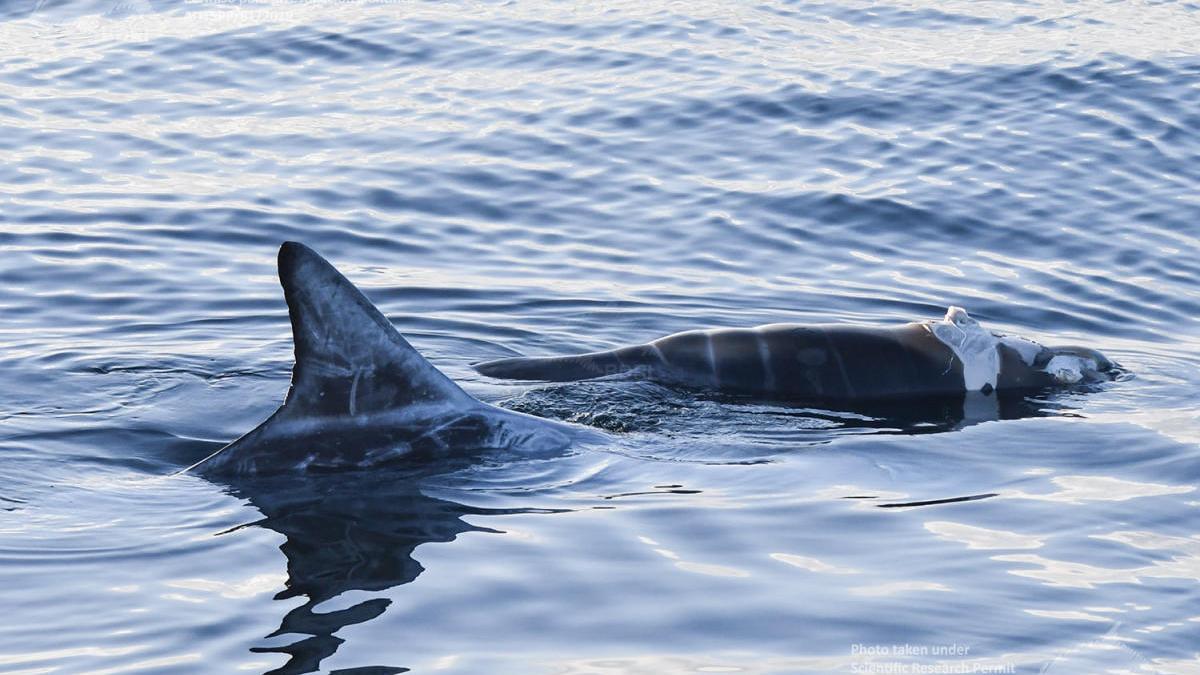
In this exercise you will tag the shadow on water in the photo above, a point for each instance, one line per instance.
(939, 414)
(618, 405)
(348, 532)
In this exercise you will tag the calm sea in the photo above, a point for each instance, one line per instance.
(545, 178)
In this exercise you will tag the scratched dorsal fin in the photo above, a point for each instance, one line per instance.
(350, 360)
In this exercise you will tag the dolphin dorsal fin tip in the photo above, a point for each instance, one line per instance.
(350, 360)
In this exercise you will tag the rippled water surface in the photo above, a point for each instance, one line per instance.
(525, 178)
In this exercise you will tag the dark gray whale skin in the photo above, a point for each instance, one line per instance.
(361, 396)
(785, 361)
(830, 363)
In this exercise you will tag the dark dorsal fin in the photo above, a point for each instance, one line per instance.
(350, 360)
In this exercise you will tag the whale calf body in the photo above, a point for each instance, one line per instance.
(831, 363)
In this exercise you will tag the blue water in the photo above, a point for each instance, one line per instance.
(548, 178)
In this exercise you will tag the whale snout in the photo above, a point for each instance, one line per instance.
(1072, 364)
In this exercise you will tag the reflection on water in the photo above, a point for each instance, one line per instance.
(982, 537)
(619, 404)
(1184, 563)
(347, 532)
(543, 178)
(1076, 489)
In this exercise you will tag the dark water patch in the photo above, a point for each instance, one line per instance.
(934, 502)
(290, 46)
(892, 16)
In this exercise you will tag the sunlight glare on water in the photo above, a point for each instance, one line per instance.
(549, 178)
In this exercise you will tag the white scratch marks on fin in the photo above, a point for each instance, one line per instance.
(711, 352)
(658, 352)
(764, 355)
(354, 391)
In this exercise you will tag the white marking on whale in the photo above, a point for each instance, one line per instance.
(974, 346)
(832, 362)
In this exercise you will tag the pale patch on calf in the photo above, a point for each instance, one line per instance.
(974, 346)
(1069, 368)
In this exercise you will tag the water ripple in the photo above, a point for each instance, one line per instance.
(546, 179)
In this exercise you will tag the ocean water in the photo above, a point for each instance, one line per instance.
(546, 178)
